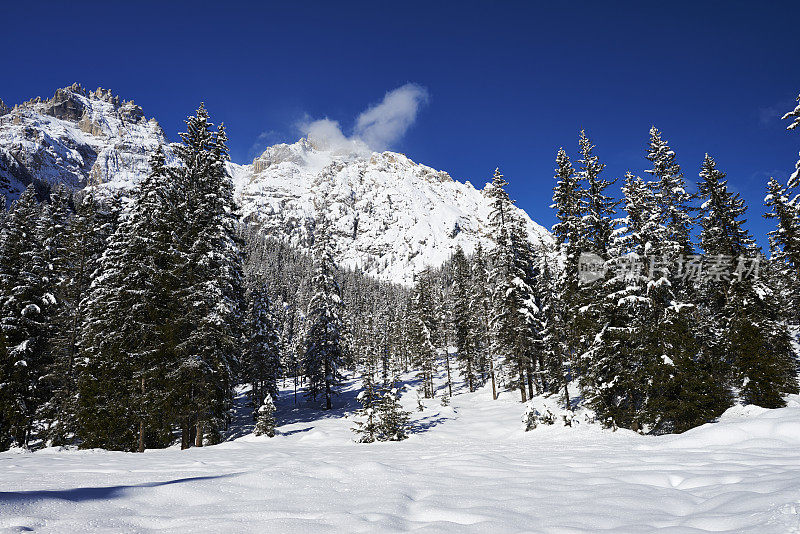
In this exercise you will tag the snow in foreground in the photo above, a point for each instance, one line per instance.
(469, 468)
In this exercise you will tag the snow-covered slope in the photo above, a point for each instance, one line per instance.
(391, 216)
(468, 467)
(77, 137)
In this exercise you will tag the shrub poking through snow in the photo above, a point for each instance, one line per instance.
(539, 413)
(265, 423)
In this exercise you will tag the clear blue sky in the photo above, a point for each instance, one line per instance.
(509, 82)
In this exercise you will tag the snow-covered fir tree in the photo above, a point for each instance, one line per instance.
(265, 418)
(25, 305)
(211, 285)
(422, 328)
(325, 343)
(394, 421)
(260, 364)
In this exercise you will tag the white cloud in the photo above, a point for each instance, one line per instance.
(377, 128)
(384, 124)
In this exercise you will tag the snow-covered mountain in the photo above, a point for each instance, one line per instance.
(391, 216)
(77, 137)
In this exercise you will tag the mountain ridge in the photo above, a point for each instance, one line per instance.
(391, 217)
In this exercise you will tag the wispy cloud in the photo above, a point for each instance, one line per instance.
(264, 139)
(771, 115)
(377, 128)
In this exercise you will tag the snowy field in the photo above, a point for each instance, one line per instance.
(468, 467)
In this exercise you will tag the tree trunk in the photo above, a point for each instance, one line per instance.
(198, 438)
(447, 363)
(566, 394)
(521, 371)
(141, 436)
(185, 434)
(491, 372)
(530, 383)
(141, 424)
(328, 403)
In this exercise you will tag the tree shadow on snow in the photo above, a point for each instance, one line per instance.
(93, 494)
(308, 411)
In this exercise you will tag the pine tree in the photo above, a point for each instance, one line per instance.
(394, 421)
(562, 335)
(25, 302)
(367, 423)
(211, 285)
(513, 308)
(324, 345)
(794, 116)
(479, 305)
(89, 231)
(261, 350)
(462, 320)
(129, 340)
(669, 188)
(422, 332)
(265, 422)
(755, 340)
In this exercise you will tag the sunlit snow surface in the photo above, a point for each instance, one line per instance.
(468, 467)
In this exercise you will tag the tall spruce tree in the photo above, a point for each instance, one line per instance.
(324, 345)
(261, 350)
(462, 320)
(422, 331)
(211, 287)
(755, 340)
(513, 318)
(25, 303)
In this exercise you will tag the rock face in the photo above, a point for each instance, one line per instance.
(77, 137)
(391, 216)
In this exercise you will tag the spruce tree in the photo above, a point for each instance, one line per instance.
(265, 420)
(324, 345)
(422, 332)
(755, 342)
(462, 320)
(129, 340)
(261, 350)
(367, 423)
(513, 307)
(394, 420)
(211, 287)
(25, 304)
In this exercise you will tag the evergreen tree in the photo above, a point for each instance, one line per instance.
(394, 421)
(367, 425)
(89, 231)
(25, 302)
(129, 339)
(755, 342)
(513, 307)
(261, 350)
(265, 422)
(421, 332)
(462, 320)
(479, 305)
(324, 345)
(211, 287)
(669, 188)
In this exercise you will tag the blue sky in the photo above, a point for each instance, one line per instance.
(507, 83)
